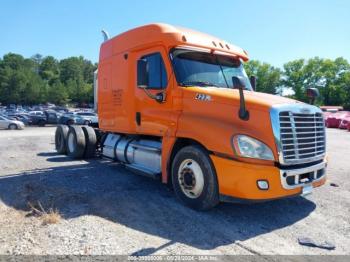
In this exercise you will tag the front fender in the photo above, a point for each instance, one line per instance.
(215, 129)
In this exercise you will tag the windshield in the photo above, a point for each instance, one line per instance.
(3, 118)
(194, 68)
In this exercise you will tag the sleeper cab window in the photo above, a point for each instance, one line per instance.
(157, 76)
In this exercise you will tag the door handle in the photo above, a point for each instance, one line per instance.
(138, 118)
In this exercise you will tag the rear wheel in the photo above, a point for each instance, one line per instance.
(86, 122)
(41, 123)
(194, 178)
(61, 139)
(13, 127)
(76, 142)
(90, 140)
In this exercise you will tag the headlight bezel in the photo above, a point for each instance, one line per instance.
(236, 145)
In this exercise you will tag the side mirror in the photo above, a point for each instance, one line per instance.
(253, 82)
(312, 93)
(142, 73)
(238, 82)
(160, 97)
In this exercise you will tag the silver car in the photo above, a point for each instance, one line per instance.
(92, 117)
(10, 124)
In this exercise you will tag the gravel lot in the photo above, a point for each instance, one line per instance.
(106, 209)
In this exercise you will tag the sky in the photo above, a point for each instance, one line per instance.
(270, 30)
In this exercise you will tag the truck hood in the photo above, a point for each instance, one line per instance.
(253, 99)
(218, 109)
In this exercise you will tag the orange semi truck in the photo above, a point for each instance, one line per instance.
(177, 105)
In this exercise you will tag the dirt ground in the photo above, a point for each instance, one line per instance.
(106, 209)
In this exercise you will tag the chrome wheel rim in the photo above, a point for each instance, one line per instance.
(71, 142)
(191, 178)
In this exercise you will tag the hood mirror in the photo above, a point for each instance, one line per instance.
(253, 82)
(312, 93)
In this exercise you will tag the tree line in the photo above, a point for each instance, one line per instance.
(330, 77)
(36, 80)
(41, 79)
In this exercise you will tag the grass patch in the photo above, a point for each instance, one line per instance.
(50, 216)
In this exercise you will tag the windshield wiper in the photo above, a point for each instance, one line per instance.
(198, 83)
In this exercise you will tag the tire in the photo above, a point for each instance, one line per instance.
(13, 127)
(86, 122)
(70, 122)
(194, 178)
(90, 141)
(76, 142)
(41, 123)
(61, 139)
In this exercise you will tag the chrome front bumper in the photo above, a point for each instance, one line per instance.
(302, 177)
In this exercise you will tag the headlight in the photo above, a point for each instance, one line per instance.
(246, 146)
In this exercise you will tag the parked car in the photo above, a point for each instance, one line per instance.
(10, 124)
(71, 119)
(39, 120)
(333, 120)
(68, 119)
(60, 109)
(52, 117)
(345, 121)
(26, 119)
(92, 117)
(48, 117)
(82, 120)
(36, 113)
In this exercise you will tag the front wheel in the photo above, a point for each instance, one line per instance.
(41, 123)
(194, 178)
(13, 127)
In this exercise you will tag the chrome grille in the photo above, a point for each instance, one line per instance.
(302, 136)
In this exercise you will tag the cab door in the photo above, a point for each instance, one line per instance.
(153, 117)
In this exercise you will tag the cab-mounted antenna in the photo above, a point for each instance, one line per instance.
(105, 35)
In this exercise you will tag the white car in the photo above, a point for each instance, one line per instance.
(10, 124)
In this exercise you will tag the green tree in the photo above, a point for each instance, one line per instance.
(324, 74)
(332, 91)
(344, 84)
(57, 93)
(77, 74)
(19, 82)
(294, 78)
(268, 78)
(49, 69)
(44, 79)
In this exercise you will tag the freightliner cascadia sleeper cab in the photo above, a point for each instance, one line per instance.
(177, 105)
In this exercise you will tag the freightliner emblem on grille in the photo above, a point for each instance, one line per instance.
(305, 110)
